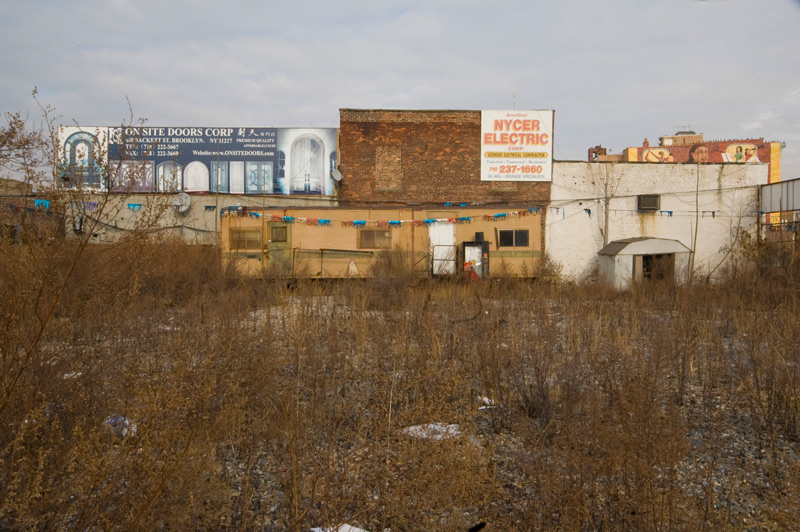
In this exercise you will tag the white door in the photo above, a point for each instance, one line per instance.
(443, 248)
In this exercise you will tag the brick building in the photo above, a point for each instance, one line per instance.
(403, 156)
(409, 180)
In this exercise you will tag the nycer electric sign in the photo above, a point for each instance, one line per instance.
(517, 145)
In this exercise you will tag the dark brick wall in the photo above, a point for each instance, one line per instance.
(437, 154)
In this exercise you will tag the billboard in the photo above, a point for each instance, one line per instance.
(517, 145)
(227, 160)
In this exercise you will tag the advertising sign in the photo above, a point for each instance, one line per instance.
(235, 160)
(517, 145)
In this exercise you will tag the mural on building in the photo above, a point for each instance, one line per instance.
(740, 153)
(227, 160)
(706, 152)
(657, 155)
(691, 147)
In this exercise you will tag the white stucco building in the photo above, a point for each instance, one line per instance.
(700, 206)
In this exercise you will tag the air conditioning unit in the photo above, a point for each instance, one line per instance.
(648, 202)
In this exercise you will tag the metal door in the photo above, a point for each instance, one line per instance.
(442, 237)
(279, 249)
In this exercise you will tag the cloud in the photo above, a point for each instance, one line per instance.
(615, 71)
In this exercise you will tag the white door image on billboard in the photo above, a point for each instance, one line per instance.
(443, 248)
(308, 165)
(195, 177)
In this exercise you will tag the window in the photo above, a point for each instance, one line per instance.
(245, 239)
(648, 202)
(278, 233)
(258, 177)
(281, 165)
(170, 177)
(514, 239)
(332, 163)
(219, 177)
(374, 239)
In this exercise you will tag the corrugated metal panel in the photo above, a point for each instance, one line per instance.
(783, 196)
(643, 246)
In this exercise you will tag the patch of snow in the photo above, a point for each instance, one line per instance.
(340, 528)
(488, 404)
(433, 431)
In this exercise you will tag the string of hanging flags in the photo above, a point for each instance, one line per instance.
(500, 216)
(241, 211)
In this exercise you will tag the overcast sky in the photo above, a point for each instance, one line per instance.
(615, 71)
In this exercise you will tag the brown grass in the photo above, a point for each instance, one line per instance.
(260, 406)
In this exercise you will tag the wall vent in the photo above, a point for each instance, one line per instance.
(648, 202)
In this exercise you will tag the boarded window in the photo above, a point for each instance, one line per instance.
(374, 239)
(245, 239)
(514, 239)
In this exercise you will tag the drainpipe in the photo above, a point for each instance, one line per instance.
(696, 225)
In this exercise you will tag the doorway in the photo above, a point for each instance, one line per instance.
(654, 267)
(443, 248)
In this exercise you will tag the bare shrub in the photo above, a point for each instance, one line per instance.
(145, 388)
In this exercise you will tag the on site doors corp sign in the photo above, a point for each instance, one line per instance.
(517, 145)
(233, 160)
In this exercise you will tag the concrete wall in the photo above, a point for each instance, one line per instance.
(111, 216)
(709, 201)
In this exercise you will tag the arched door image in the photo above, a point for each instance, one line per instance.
(307, 165)
(80, 165)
